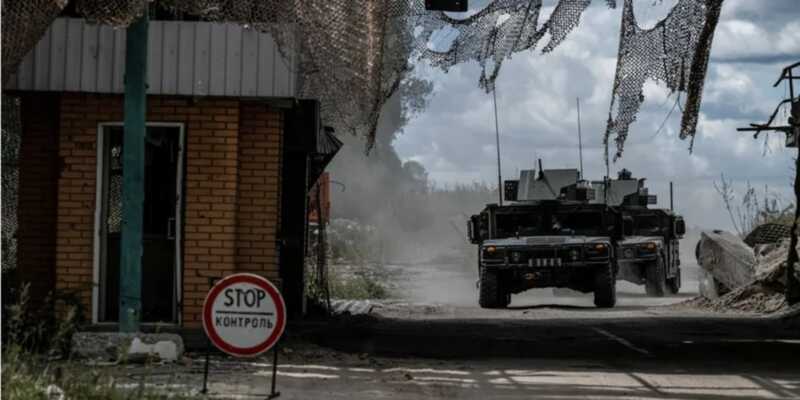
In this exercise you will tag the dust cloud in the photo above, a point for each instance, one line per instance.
(419, 227)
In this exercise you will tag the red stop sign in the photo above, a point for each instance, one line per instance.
(244, 315)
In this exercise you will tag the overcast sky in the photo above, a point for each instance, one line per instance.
(454, 137)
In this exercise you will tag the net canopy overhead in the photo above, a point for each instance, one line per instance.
(353, 55)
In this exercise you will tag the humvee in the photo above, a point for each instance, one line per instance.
(650, 253)
(546, 238)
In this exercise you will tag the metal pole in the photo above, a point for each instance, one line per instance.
(272, 393)
(497, 139)
(580, 140)
(130, 277)
(608, 176)
(671, 203)
(792, 284)
(205, 369)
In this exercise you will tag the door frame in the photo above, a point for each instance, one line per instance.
(98, 219)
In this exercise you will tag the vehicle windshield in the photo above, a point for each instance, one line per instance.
(519, 224)
(578, 223)
(546, 222)
(647, 225)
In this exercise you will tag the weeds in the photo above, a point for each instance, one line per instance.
(358, 283)
(47, 328)
(29, 376)
(754, 209)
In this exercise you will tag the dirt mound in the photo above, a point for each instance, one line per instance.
(754, 298)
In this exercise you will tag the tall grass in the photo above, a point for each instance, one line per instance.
(36, 349)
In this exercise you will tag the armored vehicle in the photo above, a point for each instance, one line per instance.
(550, 236)
(650, 253)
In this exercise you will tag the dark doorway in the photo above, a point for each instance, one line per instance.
(161, 238)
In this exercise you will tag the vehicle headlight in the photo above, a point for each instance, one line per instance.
(649, 247)
(492, 252)
(597, 250)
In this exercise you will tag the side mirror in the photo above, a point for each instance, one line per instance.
(627, 226)
(511, 190)
(680, 227)
(473, 231)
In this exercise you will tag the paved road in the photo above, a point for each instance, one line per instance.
(562, 347)
(543, 347)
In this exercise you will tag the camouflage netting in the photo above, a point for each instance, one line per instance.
(353, 54)
(10, 156)
(675, 51)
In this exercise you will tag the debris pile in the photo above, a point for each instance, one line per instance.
(735, 277)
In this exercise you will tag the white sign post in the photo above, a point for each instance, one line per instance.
(244, 315)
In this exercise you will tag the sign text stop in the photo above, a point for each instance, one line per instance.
(244, 315)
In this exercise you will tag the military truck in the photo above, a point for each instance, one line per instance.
(650, 254)
(549, 236)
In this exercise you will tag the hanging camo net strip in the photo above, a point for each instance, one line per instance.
(496, 32)
(675, 52)
(10, 166)
(351, 54)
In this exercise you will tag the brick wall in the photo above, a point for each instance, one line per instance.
(38, 190)
(232, 182)
(259, 183)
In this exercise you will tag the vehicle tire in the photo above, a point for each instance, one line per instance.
(674, 284)
(656, 278)
(605, 287)
(490, 294)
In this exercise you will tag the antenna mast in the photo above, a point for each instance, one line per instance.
(580, 140)
(497, 139)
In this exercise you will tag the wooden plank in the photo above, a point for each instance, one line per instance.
(41, 66)
(89, 56)
(169, 58)
(217, 60)
(202, 59)
(154, 48)
(118, 72)
(266, 49)
(186, 49)
(249, 78)
(233, 60)
(105, 59)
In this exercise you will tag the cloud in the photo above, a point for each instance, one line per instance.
(454, 138)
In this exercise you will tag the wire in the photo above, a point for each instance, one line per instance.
(677, 101)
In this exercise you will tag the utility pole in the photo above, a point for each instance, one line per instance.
(792, 131)
(133, 166)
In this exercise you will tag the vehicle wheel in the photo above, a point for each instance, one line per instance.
(656, 279)
(674, 284)
(605, 287)
(490, 294)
